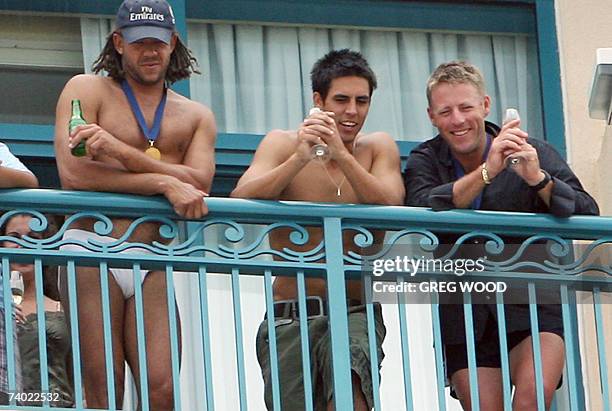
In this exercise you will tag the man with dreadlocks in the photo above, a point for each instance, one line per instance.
(140, 138)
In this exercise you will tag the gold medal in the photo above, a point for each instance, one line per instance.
(150, 134)
(153, 152)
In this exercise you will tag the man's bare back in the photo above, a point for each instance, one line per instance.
(106, 105)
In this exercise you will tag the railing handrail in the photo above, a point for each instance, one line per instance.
(263, 211)
(334, 218)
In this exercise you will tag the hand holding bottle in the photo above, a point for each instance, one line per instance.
(77, 120)
(319, 151)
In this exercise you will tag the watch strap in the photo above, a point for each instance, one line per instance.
(547, 178)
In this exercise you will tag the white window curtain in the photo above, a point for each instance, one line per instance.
(256, 78)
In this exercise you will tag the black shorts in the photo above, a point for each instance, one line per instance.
(487, 349)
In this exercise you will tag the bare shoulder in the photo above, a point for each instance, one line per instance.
(90, 80)
(277, 144)
(92, 90)
(94, 84)
(279, 140)
(283, 137)
(88, 88)
(191, 109)
(376, 141)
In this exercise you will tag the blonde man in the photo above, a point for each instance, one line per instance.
(468, 165)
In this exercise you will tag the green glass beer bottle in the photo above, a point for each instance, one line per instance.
(77, 120)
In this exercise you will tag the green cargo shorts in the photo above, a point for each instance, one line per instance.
(289, 348)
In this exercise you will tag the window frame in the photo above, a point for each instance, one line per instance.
(531, 17)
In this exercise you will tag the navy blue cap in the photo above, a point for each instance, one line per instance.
(139, 19)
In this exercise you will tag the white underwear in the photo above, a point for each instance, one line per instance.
(123, 276)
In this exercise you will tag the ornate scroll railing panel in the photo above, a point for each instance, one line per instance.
(219, 272)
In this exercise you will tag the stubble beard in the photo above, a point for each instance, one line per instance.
(131, 71)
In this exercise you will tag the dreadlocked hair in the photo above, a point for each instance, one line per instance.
(182, 62)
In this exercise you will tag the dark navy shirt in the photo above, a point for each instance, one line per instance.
(429, 178)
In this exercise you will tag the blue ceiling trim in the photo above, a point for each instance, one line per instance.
(499, 16)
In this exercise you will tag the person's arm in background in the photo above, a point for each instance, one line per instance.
(12, 171)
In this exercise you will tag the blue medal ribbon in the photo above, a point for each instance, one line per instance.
(152, 133)
(460, 172)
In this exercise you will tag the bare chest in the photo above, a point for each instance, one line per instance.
(320, 183)
(175, 134)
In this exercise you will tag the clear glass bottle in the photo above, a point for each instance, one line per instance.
(512, 114)
(17, 286)
(319, 152)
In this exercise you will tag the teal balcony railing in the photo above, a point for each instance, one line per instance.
(220, 268)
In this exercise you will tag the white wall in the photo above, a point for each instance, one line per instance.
(583, 26)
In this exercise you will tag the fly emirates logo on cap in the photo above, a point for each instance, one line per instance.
(147, 14)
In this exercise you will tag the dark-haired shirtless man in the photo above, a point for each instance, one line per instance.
(362, 168)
